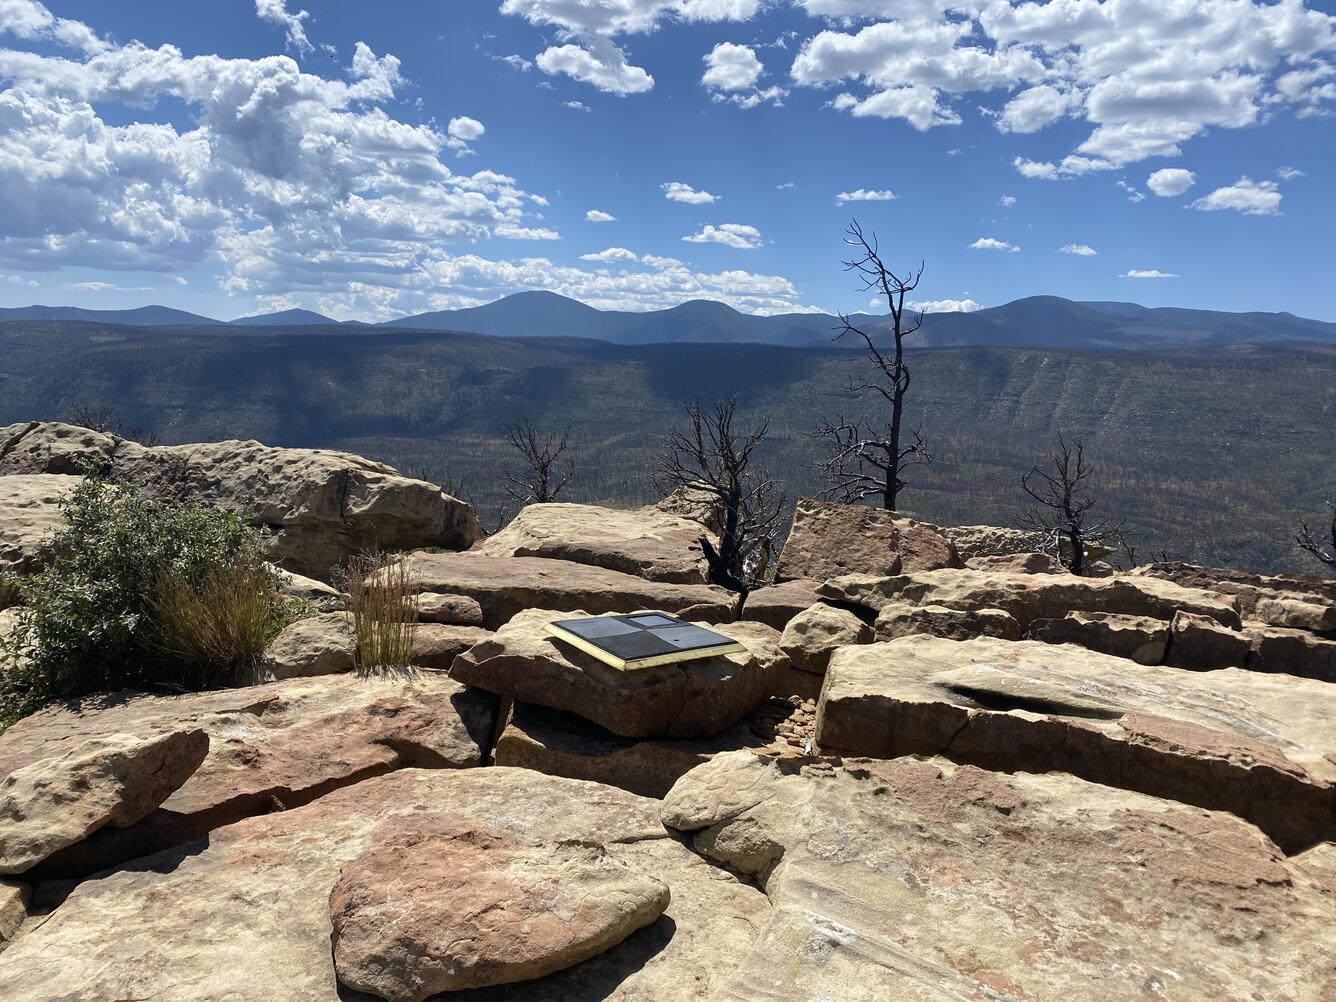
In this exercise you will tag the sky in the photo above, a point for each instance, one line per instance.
(370, 161)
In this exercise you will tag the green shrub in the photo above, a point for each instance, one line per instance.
(139, 592)
(382, 608)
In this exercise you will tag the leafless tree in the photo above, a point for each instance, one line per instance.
(710, 457)
(109, 422)
(1322, 549)
(546, 473)
(1065, 506)
(867, 459)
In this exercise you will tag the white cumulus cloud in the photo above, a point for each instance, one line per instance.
(990, 243)
(734, 235)
(1080, 250)
(1147, 273)
(599, 216)
(1252, 198)
(611, 254)
(864, 195)
(1170, 181)
(946, 306)
(276, 13)
(677, 191)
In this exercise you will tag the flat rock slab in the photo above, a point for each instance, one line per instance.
(1258, 746)
(270, 747)
(247, 914)
(422, 912)
(775, 605)
(1028, 597)
(830, 539)
(1293, 652)
(692, 699)
(1137, 638)
(113, 779)
(904, 620)
(646, 542)
(926, 880)
(503, 586)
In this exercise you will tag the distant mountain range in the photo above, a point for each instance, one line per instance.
(1038, 321)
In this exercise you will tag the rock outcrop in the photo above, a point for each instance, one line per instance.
(829, 540)
(1137, 638)
(1259, 746)
(926, 880)
(318, 506)
(503, 586)
(30, 516)
(646, 542)
(111, 780)
(247, 914)
(269, 747)
(692, 699)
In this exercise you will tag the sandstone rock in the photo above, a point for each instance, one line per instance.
(1200, 642)
(319, 506)
(829, 540)
(813, 635)
(1259, 746)
(246, 915)
(692, 699)
(113, 780)
(563, 744)
(776, 604)
(1293, 652)
(453, 610)
(504, 586)
(325, 598)
(436, 645)
(14, 898)
(1016, 563)
(648, 542)
(925, 880)
(1247, 585)
(317, 645)
(903, 620)
(29, 517)
(697, 504)
(423, 912)
(974, 541)
(762, 642)
(1137, 638)
(270, 746)
(1295, 613)
(1028, 597)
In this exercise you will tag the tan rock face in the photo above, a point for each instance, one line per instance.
(270, 747)
(1296, 613)
(1197, 641)
(436, 645)
(14, 897)
(1017, 563)
(1247, 585)
(453, 610)
(647, 542)
(1293, 652)
(29, 516)
(692, 699)
(113, 780)
(1137, 638)
(317, 645)
(247, 915)
(423, 912)
(829, 540)
(1258, 746)
(813, 635)
(902, 620)
(775, 605)
(974, 541)
(320, 506)
(924, 880)
(504, 586)
(1028, 597)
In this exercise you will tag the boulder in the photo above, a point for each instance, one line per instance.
(30, 516)
(1293, 652)
(774, 605)
(814, 634)
(903, 620)
(323, 597)
(503, 586)
(647, 542)
(1017, 563)
(696, 504)
(246, 915)
(317, 645)
(974, 541)
(1197, 641)
(318, 506)
(829, 539)
(453, 610)
(1137, 638)
(926, 880)
(422, 912)
(270, 747)
(436, 645)
(1296, 613)
(1028, 597)
(115, 780)
(1259, 746)
(697, 698)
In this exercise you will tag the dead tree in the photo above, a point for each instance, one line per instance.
(1065, 506)
(109, 422)
(1324, 550)
(545, 473)
(710, 458)
(867, 459)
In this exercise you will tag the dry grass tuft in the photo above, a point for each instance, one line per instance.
(382, 607)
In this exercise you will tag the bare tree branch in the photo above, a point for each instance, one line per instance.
(1064, 506)
(545, 474)
(1324, 550)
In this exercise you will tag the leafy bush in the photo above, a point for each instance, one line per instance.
(139, 592)
(382, 607)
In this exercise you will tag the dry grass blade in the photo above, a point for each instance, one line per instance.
(382, 608)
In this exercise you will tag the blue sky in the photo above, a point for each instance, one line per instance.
(370, 161)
